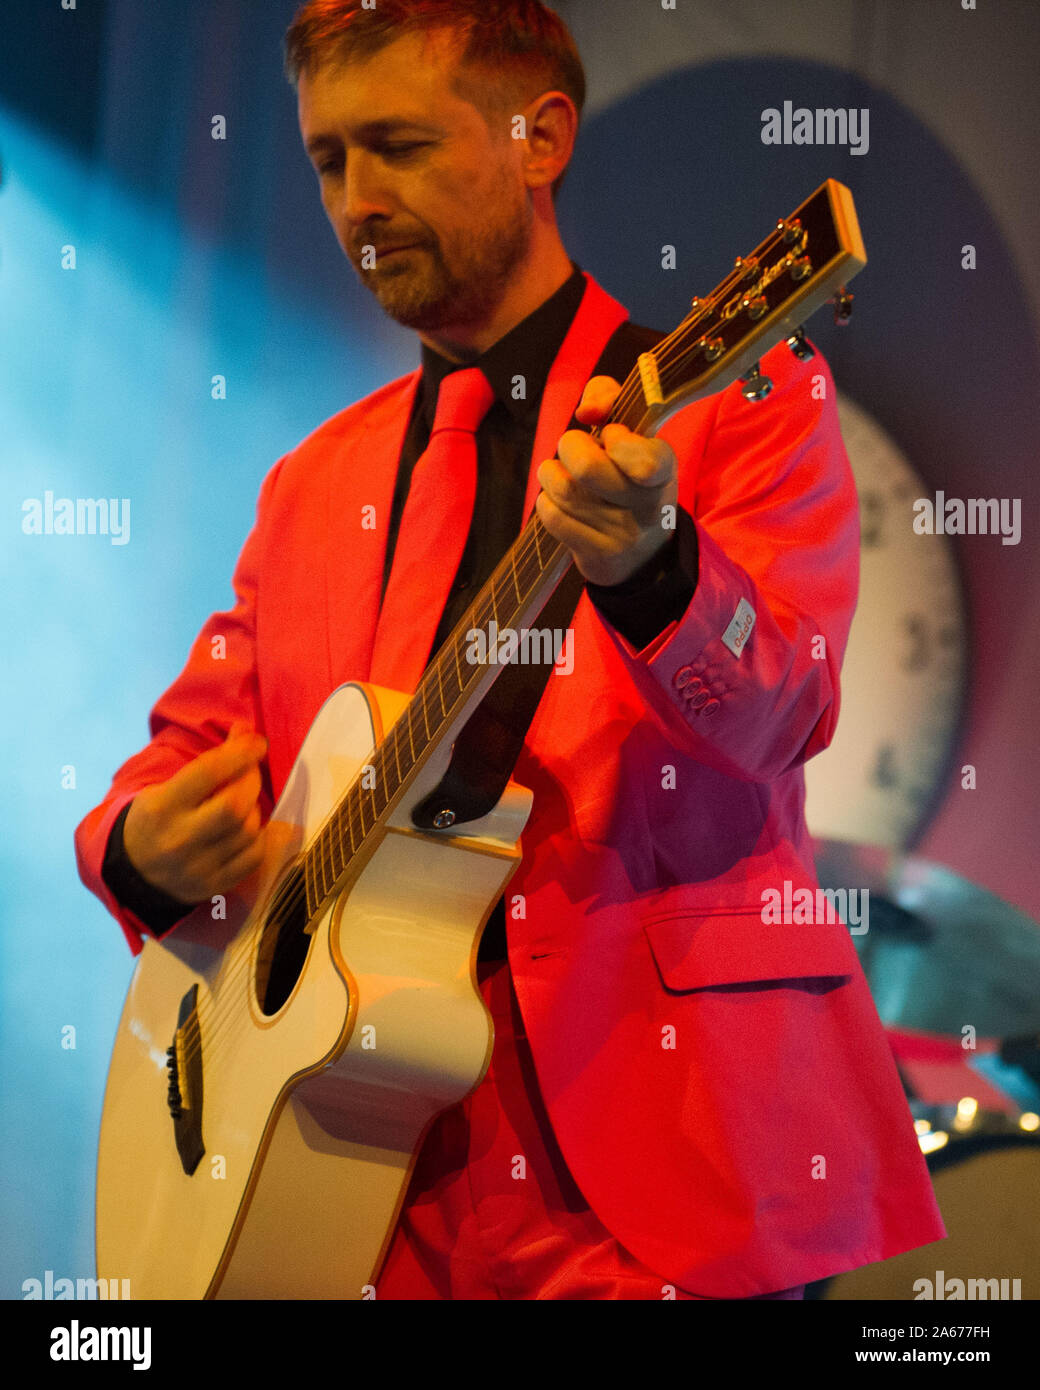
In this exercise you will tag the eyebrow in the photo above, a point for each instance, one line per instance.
(370, 132)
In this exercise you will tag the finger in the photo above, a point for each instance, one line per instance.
(597, 398)
(646, 463)
(242, 865)
(211, 770)
(234, 844)
(622, 468)
(223, 815)
(590, 541)
(583, 496)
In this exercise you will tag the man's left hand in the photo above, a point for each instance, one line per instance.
(604, 500)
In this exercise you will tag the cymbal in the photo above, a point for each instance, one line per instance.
(940, 953)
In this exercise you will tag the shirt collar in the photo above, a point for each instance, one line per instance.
(528, 350)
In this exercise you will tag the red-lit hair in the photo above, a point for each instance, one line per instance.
(508, 51)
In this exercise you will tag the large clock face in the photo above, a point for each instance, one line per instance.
(902, 680)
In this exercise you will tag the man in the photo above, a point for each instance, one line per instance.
(704, 1105)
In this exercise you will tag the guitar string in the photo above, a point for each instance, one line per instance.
(628, 397)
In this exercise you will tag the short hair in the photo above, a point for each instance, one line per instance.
(521, 44)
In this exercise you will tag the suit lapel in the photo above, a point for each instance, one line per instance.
(599, 314)
(361, 493)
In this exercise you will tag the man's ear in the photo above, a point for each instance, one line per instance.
(549, 126)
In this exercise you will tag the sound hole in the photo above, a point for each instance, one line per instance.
(284, 944)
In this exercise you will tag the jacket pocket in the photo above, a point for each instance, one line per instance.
(695, 948)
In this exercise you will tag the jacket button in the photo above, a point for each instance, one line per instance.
(710, 707)
(697, 698)
(683, 677)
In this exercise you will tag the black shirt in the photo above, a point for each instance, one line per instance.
(517, 368)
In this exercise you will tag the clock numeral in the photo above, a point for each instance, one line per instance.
(872, 514)
(884, 773)
(920, 653)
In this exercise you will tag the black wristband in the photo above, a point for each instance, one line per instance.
(643, 605)
(156, 909)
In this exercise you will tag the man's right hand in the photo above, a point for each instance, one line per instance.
(198, 833)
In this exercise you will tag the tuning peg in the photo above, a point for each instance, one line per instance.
(842, 302)
(756, 386)
(802, 350)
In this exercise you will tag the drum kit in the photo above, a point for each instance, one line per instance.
(955, 976)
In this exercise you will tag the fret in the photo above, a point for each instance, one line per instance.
(422, 705)
(319, 878)
(323, 860)
(338, 825)
(382, 787)
(516, 577)
(494, 606)
(360, 799)
(411, 741)
(440, 688)
(308, 883)
(328, 873)
(330, 854)
(397, 756)
(455, 646)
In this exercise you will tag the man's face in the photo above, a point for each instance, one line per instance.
(403, 161)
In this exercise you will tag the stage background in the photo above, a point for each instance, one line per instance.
(197, 257)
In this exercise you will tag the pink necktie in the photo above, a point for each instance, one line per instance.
(434, 528)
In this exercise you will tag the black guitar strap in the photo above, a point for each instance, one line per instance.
(486, 751)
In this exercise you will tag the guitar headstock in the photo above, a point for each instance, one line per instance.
(805, 260)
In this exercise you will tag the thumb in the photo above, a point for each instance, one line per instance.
(597, 399)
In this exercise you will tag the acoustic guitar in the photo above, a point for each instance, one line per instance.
(275, 1071)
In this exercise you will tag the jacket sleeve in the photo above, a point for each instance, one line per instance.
(747, 680)
(217, 687)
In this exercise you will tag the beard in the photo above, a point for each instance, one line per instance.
(433, 285)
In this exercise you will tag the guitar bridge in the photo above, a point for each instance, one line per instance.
(184, 1094)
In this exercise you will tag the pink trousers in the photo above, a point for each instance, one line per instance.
(492, 1212)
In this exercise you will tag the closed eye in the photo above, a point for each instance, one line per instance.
(395, 151)
(405, 148)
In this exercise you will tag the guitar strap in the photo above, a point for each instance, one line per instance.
(486, 751)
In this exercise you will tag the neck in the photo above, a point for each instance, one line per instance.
(540, 275)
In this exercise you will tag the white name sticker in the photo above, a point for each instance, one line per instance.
(739, 629)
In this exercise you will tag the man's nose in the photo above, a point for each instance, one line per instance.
(365, 192)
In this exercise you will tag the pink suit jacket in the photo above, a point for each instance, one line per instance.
(721, 1088)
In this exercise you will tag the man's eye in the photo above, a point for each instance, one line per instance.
(404, 147)
(395, 151)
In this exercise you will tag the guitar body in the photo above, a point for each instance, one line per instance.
(302, 1109)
